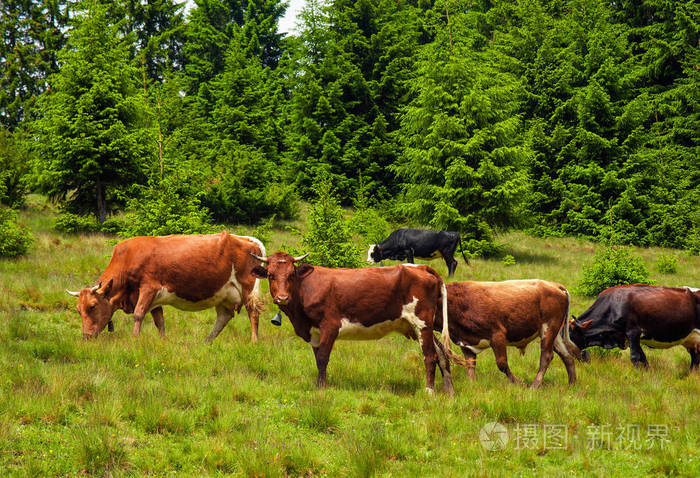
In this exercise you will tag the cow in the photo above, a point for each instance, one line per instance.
(658, 317)
(405, 244)
(510, 313)
(325, 305)
(188, 272)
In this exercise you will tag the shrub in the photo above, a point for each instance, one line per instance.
(508, 260)
(667, 264)
(612, 266)
(328, 238)
(73, 223)
(246, 187)
(167, 208)
(15, 239)
(367, 222)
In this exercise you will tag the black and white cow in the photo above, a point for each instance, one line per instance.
(405, 244)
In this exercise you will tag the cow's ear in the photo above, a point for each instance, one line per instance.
(108, 288)
(304, 270)
(586, 325)
(259, 272)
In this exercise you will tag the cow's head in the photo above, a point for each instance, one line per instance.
(578, 337)
(95, 308)
(374, 254)
(282, 274)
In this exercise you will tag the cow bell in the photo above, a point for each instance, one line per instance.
(277, 319)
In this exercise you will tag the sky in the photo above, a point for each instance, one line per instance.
(287, 22)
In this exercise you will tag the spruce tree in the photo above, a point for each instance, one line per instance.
(90, 142)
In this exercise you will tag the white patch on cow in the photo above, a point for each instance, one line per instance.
(315, 340)
(408, 264)
(478, 348)
(544, 329)
(406, 323)
(255, 240)
(691, 289)
(229, 296)
(369, 253)
(693, 339)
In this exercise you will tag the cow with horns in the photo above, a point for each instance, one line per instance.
(325, 305)
(188, 272)
(655, 316)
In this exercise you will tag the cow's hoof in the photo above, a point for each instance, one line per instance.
(429, 391)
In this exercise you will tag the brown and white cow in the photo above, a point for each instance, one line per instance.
(325, 304)
(188, 272)
(510, 313)
(658, 317)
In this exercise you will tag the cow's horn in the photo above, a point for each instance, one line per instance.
(75, 294)
(261, 259)
(94, 288)
(300, 258)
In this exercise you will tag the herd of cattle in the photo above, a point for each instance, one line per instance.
(223, 271)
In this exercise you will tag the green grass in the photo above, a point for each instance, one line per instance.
(120, 406)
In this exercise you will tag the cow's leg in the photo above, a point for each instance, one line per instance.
(636, 353)
(141, 309)
(694, 352)
(254, 317)
(450, 262)
(562, 350)
(323, 353)
(430, 357)
(409, 256)
(498, 344)
(158, 319)
(546, 353)
(444, 364)
(471, 362)
(223, 315)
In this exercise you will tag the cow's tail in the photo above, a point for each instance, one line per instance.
(445, 336)
(254, 302)
(461, 249)
(565, 335)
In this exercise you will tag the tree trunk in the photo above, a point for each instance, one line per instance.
(101, 204)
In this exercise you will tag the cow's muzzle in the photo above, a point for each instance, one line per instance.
(281, 300)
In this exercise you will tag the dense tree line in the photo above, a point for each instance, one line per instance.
(566, 117)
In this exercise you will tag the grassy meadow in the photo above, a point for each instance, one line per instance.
(120, 406)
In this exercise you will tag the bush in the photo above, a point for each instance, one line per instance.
(166, 208)
(73, 223)
(508, 260)
(328, 238)
(14, 169)
(15, 239)
(367, 222)
(246, 187)
(667, 264)
(612, 266)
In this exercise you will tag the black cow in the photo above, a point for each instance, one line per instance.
(658, 317)
(405, 244)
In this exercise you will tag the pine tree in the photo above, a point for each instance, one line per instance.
(91, 143)
(33, 32)
(462, 160)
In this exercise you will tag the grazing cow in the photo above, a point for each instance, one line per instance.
(191, 273)
(658, 317)
(358, 304)
(510, 313)
(405, 244)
